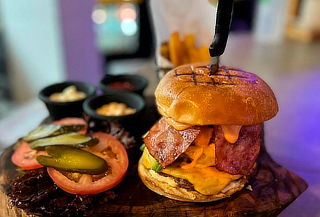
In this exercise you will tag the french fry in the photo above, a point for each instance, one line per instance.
(190, 44)
(189, 41)
(184, 52)
(204, 55)
(164, 50)
(175, 49)
(193, 54)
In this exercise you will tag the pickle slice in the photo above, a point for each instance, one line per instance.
(70, 159)
(49, 130)
(70, 139)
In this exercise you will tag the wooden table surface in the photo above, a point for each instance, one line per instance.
(272, 189)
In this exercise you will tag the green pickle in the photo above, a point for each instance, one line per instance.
(70, 159)
(71, 139)
(49, 130)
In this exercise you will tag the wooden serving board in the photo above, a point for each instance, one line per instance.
(273, 189)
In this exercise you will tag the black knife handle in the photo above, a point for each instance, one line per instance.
(223, 23)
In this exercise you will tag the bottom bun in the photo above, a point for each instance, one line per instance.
(166, 186)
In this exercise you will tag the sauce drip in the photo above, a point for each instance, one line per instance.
(177, 125)
(231, 132)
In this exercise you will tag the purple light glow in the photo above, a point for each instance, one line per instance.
(293, 136)
(82, 60)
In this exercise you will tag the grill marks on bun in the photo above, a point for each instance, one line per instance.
(188, 94)
(201, 75)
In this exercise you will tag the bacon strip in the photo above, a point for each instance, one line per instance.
(166, 144)
(238, 158)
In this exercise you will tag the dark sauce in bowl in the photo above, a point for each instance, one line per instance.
(121, 85)
(124, 82)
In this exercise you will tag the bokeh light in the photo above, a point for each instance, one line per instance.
(129, 27)
(99, 16)
(127, 12)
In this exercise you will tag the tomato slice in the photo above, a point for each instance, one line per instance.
(70, 121)
(110, 149)
(25, 158)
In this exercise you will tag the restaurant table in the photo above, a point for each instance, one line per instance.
(292, 137)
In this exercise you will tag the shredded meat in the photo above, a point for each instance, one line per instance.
(36, 194)
(166, 144)
(114, 129)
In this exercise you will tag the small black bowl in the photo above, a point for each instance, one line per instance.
(60, 110)
(130, 99)
(138, 82)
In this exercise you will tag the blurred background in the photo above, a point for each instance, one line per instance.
(43, 42)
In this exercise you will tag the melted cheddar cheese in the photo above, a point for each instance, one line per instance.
(204, 136)
(201, 154)
(207, 180)
(207, 156)
(196, 154)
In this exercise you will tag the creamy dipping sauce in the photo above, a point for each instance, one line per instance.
(115, 109)
(68, 94)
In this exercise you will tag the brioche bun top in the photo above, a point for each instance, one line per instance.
(189, 94)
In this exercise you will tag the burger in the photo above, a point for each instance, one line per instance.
(205, 146)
